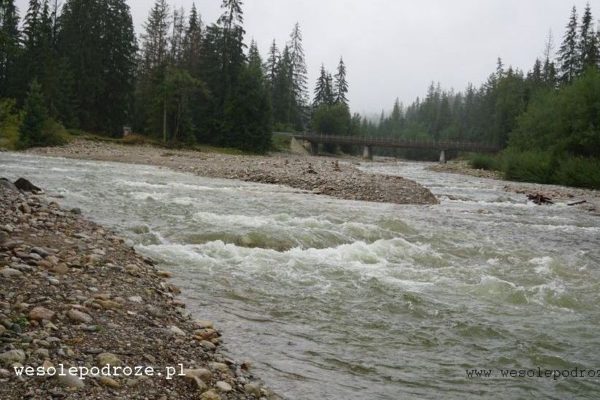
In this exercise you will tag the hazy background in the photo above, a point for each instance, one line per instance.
(395, 48)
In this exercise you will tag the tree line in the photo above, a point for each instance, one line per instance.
(547, 119)
(81, 66)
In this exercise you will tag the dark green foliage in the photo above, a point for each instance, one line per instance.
(579, 172)
(528, 166)
(568, 56)
(332, 119)
(484, 161)
(37, 129)
(9, 47)
(565, 121)
(341, 84)
(31, 130)
(98, 41)
(248, 113)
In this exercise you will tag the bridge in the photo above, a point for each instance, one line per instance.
(369, 142)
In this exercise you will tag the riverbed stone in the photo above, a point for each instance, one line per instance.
(104, 359)
(12, 356)
(79, 316)
(70, 381)
(210, 395)
(224, 386)
(41, 313)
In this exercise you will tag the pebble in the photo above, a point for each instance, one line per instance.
(12, 356)
(9, 272)
(224, 386)
(78, 316)
(107, 359)
(200, 373)
(210, 395)
(110, 382)
(177, 331)
(70, 381)
(41, 313)
(253, 389)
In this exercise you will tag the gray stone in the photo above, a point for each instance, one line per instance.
(253, 389)
(108, 359)
(224, 386)
(70, 381)
(10, 273)
(41, 313)
(200, 373)
(78, 316)
(12, 356)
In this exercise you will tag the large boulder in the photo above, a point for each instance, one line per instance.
(26, 186)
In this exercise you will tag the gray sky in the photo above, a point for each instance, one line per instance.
(395, 48)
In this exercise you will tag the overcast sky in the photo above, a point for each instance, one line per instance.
(395, 48)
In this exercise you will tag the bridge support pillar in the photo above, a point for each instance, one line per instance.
(443, 157)
(368, 152)
(314, 148)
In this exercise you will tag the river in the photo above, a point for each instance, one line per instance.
(335, 299)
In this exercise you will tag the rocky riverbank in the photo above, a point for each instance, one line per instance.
(319, 175)
(586, 199)
(76, 302)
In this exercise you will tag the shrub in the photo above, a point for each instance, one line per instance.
(10, 120)
(528, 166)
(482, 161)
(579, 172)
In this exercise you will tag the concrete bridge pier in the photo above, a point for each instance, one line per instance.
(368, 152)
(443, 157)
(314, 148)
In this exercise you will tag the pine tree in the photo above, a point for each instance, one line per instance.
(568, 55)
(31, 130)
(587, 46)
(341, 84)
(9, 47)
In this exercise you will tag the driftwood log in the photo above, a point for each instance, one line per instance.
(539, 199)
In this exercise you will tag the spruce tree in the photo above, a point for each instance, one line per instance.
(299, 78)
(193, 42)
(568, 55)
(9, 47)
(271, 66)
(587, 46)
(341, 84)
(31, 130)
(321, 96)
(98, 41)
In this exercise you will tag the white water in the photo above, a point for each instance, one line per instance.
(350, 300)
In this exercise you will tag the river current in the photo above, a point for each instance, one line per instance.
(335, 299)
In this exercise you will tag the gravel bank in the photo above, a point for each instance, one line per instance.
(74, 295)
(319, 175)
(585, 199)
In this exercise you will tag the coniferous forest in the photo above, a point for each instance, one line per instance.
(79, 67)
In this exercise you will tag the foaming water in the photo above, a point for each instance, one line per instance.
(349, 300)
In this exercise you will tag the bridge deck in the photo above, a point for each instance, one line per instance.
(398, 143)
